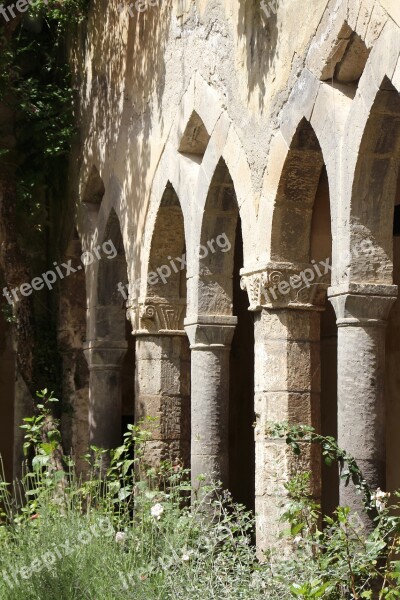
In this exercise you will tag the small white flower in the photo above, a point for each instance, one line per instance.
(186, 555)
(120, 537)
(297, 539)
(380, 498)
(156, 511)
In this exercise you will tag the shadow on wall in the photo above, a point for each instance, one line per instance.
(75, 373)
(125, 70)
(261, 34)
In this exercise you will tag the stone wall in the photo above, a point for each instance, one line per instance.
(197, 116)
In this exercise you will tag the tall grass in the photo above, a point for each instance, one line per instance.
(129, 531)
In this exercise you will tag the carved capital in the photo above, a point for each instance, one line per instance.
(362, 304)
(284, 285)
(210, 331)
(157, 316)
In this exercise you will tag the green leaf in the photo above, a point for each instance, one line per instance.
(125, 492)
(40, 461)
(59, 475)
(298, 590)
(47, 448)
(126, 466)
(297, 528)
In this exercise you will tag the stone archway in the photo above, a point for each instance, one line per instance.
(162, 348)
(294, 202)
(221, 426)
(288, 295)
(366, 294)
(111, 341)
(373, 191)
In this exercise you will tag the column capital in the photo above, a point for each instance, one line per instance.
(104, 354)
(156, 316)
(362, 304)
(287, 285)
(210, 331)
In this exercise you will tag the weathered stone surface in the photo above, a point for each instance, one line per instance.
(287, 387)
(291, 138)
(210, 339)
(362, 319)
(105, 393)
(162, 396)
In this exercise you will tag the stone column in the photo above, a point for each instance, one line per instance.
(162, 380)
(287, 385)
(362, 312)
(210, 340)
(104, 359)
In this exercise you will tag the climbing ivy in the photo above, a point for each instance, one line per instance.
(35, 85)
(35, 79)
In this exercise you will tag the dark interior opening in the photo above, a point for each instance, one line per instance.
(396, 221)
(241, 418)
(128, 383)
(330, 474)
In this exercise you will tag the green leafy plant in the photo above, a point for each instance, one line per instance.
(156, 544)
(347, 561)
(37, 103)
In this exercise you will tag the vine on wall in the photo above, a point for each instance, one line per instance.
(36, 131)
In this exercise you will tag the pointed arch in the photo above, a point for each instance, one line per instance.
(112, 271)
(191, 179)
(162, 347)
(294, 202)
(216, 248)
(168, 244)
(195, 138)
(374, 189)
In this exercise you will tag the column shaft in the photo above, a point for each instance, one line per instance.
(210, 339)
(361, 408)
(287, 389)
(362, 312)
(163, 394)
(104, 360)
(210, 414)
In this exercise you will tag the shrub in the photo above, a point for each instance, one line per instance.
(128, 531)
